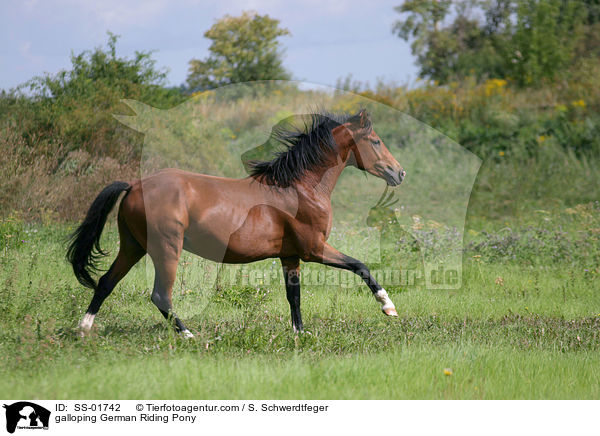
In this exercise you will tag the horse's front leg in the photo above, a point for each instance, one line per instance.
(291, 275)
(328, 255)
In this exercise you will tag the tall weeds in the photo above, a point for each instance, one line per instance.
(540, 147)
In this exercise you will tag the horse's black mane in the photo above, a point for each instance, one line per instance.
(305, 147)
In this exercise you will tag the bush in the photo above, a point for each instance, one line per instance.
(75, 107)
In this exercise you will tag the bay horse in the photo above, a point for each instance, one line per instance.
(281, 210)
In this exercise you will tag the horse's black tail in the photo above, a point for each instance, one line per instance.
(84, 247)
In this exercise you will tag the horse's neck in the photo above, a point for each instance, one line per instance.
(324, 179)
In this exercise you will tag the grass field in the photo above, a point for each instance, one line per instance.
(515, 330)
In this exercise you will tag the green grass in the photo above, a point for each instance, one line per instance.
(406, 372)
(533, 334)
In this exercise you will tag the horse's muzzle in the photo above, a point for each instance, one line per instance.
(393, 177)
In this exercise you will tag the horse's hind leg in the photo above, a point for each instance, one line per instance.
(165, 261)
(130, 252)
(161, 294)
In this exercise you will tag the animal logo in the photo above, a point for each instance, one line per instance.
(26, 415)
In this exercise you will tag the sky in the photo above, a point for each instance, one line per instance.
(329, 40)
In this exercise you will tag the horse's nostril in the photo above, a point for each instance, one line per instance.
(393, 175)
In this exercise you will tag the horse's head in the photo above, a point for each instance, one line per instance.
(369, 153)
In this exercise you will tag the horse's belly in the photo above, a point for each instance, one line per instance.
(259, 235)
(207, 246)
(234, 251)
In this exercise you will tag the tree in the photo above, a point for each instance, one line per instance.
(590, 43)
(76, 105)
(546, 34)
(422, 26)
(94, 71)
(243, 49)
(529, 41)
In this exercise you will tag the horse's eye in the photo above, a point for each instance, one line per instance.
(377, 142)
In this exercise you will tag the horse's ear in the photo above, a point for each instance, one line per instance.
(360, 121)
(365, 118)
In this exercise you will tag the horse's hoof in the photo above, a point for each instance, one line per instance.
(390, 311)
(85, 326)
(187, 334)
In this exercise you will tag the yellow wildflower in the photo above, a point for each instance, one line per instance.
(494, 86)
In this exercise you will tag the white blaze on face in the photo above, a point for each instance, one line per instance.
(87, 321)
